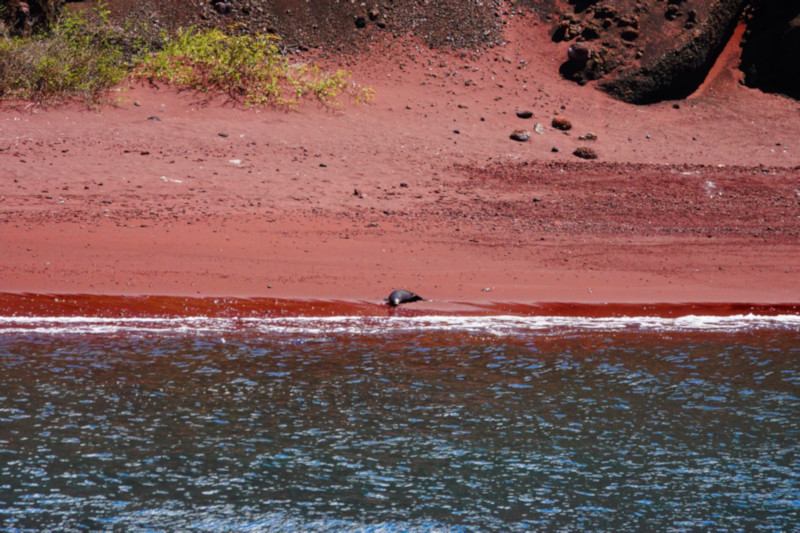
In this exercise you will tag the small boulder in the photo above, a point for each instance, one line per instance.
(520, 135)
(579, 52)
(223, 8)
(585, 153)
(524, 113)
(561, 123)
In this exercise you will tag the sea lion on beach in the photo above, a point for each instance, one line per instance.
(401, 296)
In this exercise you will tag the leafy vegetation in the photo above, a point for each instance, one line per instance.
(245, 67)
(84, 55)
(77, 56)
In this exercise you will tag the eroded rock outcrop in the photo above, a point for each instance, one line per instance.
(645, 51)
(324, 23)
(771, 51)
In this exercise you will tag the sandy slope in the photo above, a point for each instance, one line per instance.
(697, 200)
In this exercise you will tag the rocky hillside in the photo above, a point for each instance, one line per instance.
(639, 51)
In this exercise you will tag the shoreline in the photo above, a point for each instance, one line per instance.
(422, 189)
(24, 305)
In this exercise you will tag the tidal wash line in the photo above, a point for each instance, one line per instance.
(115, 307)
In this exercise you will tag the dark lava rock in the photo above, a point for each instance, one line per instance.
(585, 153)
(562, 123)
(579, 52)
(223, 8)
(771, 51)
(520, 135)
(676, 67)
(524, 113)
(677, 42)
(672, 12)
(630, 34)
(325, 24)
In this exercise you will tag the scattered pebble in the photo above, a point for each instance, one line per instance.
(561, 123)
(588, 137)
(538, 128)
(524, 113)
(520, 135)
(154, 118)
(585, 153)
(554, 149)
(222, 134)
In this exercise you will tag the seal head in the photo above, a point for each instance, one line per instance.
(401, 296)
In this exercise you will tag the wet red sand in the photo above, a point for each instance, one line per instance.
(80, 305)
(421, 188)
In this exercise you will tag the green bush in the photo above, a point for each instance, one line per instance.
(83, 55)
(249, 68)
(76, 57)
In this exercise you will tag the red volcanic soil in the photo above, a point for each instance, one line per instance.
(690, 201)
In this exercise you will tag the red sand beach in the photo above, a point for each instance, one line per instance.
(696, 200)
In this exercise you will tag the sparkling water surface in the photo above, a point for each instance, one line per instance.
(380, 424)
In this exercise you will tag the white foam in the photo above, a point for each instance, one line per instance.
(503, 325)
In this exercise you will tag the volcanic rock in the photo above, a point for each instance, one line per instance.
(579, 52)
(676, 45)
(585, 153)
(520, 135)
(562, 123)
(771, 51)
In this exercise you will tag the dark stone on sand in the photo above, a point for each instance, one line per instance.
(585, 153)
(562, 123)
(520, 135)
(524, 113)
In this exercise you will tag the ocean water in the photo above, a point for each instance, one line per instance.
(400, 423)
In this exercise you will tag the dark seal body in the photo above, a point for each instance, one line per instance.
(401, 296)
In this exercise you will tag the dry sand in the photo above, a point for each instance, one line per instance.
(689, 201)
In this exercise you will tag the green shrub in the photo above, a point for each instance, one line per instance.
(83, 55)
(76, 57)
(248, 68)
